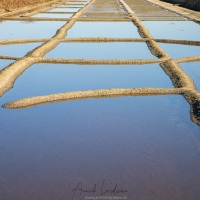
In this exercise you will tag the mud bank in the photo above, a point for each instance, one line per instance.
(79, 95)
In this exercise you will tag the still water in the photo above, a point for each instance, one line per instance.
(61, 9)
(45, 79)
(18, 50)
(24, 29)
(177, 30)
(146, 145)
(107, 50)
(4, 63)
(104, 29)
(179, 51)
(49, 15)
(193, 70)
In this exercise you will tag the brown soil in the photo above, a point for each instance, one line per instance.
(7, 5)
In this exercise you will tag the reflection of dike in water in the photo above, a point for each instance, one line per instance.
(189, 90)
(108, 93)
(113, 93)
(194, 109)
(195, 112)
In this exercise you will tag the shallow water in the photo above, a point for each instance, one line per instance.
(146, 145)
(50, 15)
(23, 29)
(193, 70)
(18, 50)
(179, 30)
(60, 9)
(72, 6)
(103, 29)
(106, 50)
(76, 2)
(5, 63)
(45, 79)
(179, 51)
(81, 4)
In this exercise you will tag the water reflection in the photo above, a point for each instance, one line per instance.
(179, 30)
(46, 79)
(104, 29)
(22, 49)
(64, 9)
(5, 63)
(143, 144)
(193, 70)
(21, 30)
(179, 51)
(50, 15)
(102, 51)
